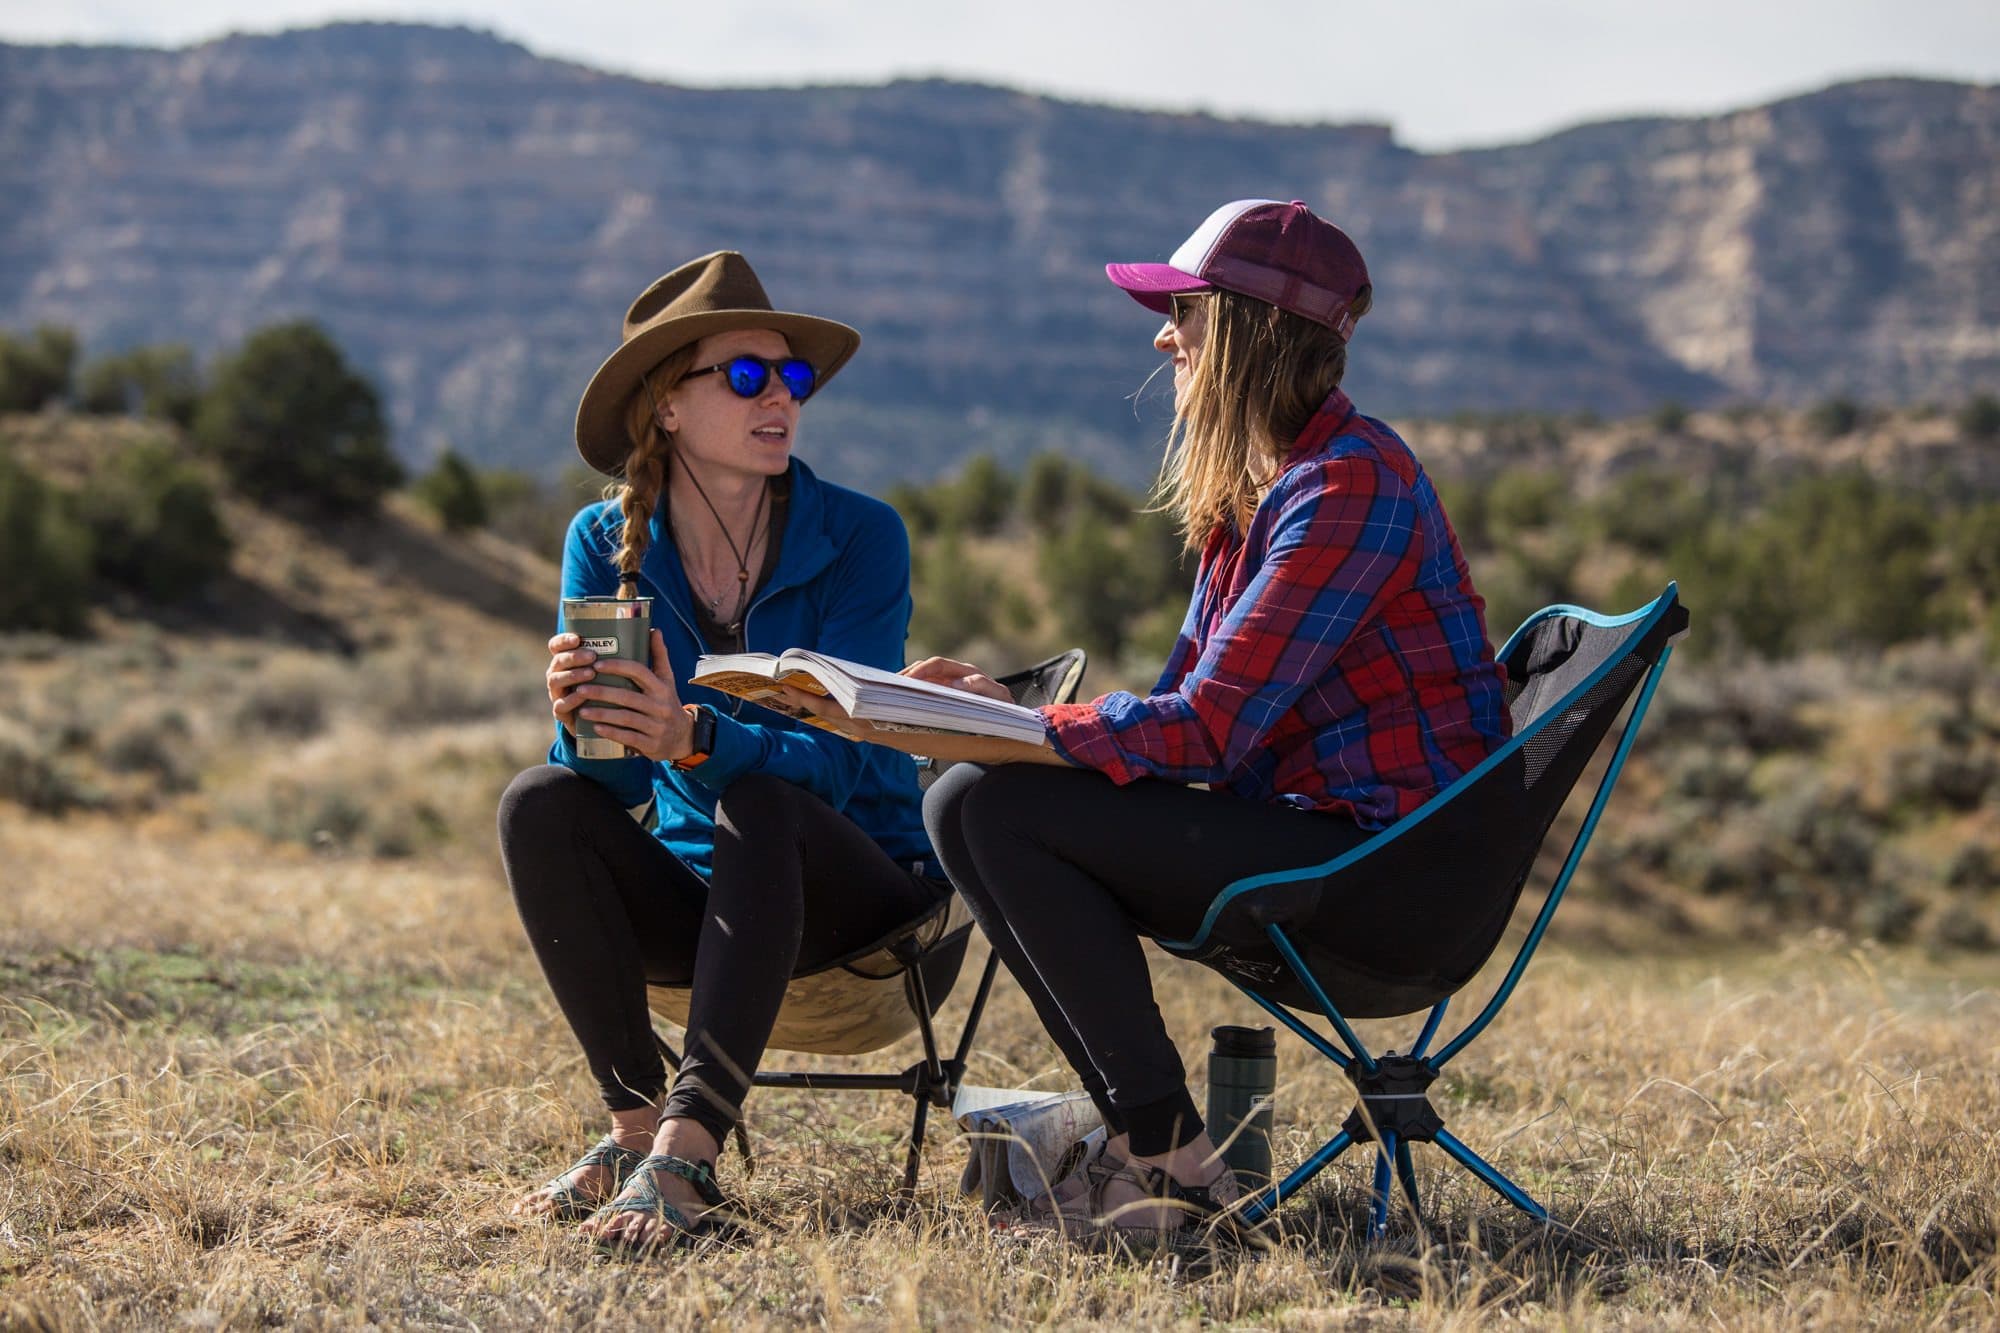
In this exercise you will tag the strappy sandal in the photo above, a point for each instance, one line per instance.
(641, 1194)
(569, 1204)
(1197, 1206)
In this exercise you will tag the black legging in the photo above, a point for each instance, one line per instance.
(1066, 871)
(608, 909)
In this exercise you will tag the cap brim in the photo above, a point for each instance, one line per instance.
(600, 415)
(1152, 284)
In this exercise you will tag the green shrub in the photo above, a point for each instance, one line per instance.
(290, 422)
(980, 498)
(1517, 581)
(1958, 926)
(45, 551)
(36, 371)
(1465, 506)
(1979, 419)
(1833, 417)
(1649, 511)
(157, 743)
(33, 777)
(453, 492)
(1048, 489)
(955, 598)
(1099, 579)
(917, 505)
(1972, 547)
(1837, 561)
(154, 523)
(1670, 417)
(1522, 501)
(532, 513)
(157, 381)
(290, 698)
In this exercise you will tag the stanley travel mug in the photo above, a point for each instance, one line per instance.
(1242, 1075)
(609, 627)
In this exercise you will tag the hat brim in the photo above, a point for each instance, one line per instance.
(1153, 285)
(600, 415)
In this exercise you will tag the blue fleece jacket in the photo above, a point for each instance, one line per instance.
(842, 586)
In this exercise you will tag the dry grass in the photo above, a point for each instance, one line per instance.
(242, 1084)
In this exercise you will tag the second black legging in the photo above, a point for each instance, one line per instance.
(1066, 871)
(608, 909)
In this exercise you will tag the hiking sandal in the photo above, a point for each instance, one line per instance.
(1198, 1207)
(567, 1202)
(641, 1194)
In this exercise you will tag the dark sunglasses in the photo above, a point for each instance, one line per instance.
(747, 375)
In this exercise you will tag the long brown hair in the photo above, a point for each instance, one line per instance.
(644, 475)
(1260, 375)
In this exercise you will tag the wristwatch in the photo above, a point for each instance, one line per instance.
(702, 737)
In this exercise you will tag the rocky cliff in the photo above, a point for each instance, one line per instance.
(470, 220)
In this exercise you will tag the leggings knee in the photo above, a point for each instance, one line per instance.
(540, 800)
(759, 805)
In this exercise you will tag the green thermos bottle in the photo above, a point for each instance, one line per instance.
(1242, 1075)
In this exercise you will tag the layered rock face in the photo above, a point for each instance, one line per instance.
(471, 220)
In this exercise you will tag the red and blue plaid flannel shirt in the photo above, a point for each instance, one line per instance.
(1334, 656)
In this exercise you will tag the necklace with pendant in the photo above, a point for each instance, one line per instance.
(734, 622)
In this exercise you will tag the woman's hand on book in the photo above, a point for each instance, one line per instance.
(957, 676)
(648, 719)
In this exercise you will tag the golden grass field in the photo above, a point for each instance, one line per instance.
(247, 1085)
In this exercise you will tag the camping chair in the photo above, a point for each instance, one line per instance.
(1570, 672)
(878, 994)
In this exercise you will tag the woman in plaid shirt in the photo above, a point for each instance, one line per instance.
(1332, 674)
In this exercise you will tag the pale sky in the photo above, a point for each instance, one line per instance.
(1445, 73)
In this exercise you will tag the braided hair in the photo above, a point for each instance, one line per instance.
(644, 475)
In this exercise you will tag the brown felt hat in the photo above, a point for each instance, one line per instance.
(713, 294)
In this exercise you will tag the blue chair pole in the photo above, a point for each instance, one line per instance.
(1406, 1171)
(1378, 1214)
(1478, 1165)
(1298, 965)
(1306, 1034)
(1528, 946)
(1430, 1028)
(1267, 1202)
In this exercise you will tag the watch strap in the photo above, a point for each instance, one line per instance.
(702, 736)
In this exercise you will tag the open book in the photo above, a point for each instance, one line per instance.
(890, 701)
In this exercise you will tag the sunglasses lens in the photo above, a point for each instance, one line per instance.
(799, 377)
(747, 376)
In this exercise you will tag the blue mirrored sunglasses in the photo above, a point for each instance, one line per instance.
(747, 375)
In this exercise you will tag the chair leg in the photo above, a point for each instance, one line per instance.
(1502, 1186)
(916, 1153)
(1267, 1200)
(973, 1014)
(1378, 1212)
(1406, 1172)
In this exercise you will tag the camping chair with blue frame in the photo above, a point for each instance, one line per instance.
(880, 993)
(1402, 922)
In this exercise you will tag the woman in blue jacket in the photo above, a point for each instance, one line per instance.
(773, 844)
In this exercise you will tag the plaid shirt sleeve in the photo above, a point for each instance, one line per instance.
(1341, 546)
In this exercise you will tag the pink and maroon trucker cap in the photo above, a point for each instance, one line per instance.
(1281, 253)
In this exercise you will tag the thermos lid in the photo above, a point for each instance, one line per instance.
(1244, 1043)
